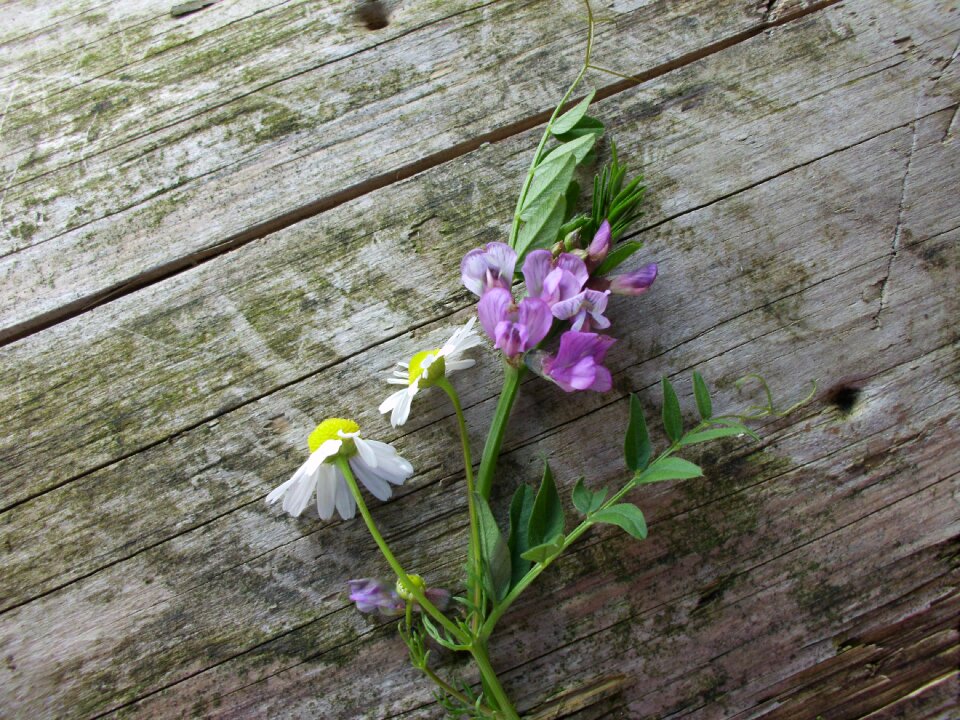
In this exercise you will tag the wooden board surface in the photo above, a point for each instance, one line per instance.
(803, 172)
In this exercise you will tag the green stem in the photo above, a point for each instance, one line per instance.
(425, 605)
(515, 229)
(475, 555)
(491, 449)
(479, 652)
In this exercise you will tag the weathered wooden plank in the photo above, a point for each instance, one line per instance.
(174, 376)
(116, 196)
(28, 20)
(297, 571)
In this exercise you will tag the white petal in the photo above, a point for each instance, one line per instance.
(401, 411)
(346, 505)
(326, 491)
(366, 452)
(398, 381)
(391, 402)
(454, 365)
(328, 448)
(370, 478)
(390, 465)
(298, 496)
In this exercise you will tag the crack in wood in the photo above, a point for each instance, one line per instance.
(172, 268)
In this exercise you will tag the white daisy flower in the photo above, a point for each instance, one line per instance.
(426, 368)
(377, 465)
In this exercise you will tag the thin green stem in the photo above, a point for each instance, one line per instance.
(475, 555)
(491, 449)
(515, 229)
(479, 652)
(425, 604)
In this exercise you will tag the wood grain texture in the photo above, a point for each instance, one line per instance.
(204, 142)
(144, 576)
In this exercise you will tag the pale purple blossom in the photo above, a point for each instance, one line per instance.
(554, 280)
(599, 246)
(578, 363)
(488, 267)
(635, 282)
(371, 595)
(514, 328)
(585, 310)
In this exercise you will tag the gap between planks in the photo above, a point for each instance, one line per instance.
(328, 202)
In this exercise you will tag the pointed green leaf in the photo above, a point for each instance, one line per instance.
(577, 148)
(496, 556)
(546, 552)
(550, 179)
(616, 257)
(702, 395)
(541, 231)
(569, 120)
(670, 468)
(587, 125)
(520, 508)
(585, 500)
(714, 434)
(672, 420)
(636, 445)
(546, 520)
(626, 516)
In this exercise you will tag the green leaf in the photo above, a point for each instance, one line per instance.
(587, 126)
(577, 148)
(586, 500)
(550, 179)
(672, 420)
(702, 394)
(570, 197)
(669, 468)
(542, 230)
(545, 552)
(713, 434)
(616, 257)
(520, 508)
(496, 556)
(569, 120)
(546, 519)
(625, 516)
(636, 444)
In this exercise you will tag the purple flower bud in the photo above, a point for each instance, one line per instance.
(577, 364)
(635, 282)
(374, 596)
(514, 328)
(488, 267)
(599, 247)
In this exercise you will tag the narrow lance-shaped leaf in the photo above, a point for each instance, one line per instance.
(520, 508)
(546, 519)
(616, 257)
(669, 468)
(702, 395)
(626, 516)
(541, 231)
(636, 445)
(496, 556)
(585, 500)
(586, 126)
(550, 179)
(715, 434)
(569, 120)
(672, 420)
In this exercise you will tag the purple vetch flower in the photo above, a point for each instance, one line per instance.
(577, 364)
(599, 246)
(635, 282)
(585, 310)
(514, 328)
(554, 280)
(488, 267)
(371, 595)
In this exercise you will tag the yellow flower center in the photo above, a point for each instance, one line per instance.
(330, 429)
(414, 580)
(429, 361)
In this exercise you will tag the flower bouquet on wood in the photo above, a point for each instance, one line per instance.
(542, 299)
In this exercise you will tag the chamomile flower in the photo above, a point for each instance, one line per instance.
(426, 368)
(376, 464)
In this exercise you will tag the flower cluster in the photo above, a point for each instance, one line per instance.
(561, 285)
